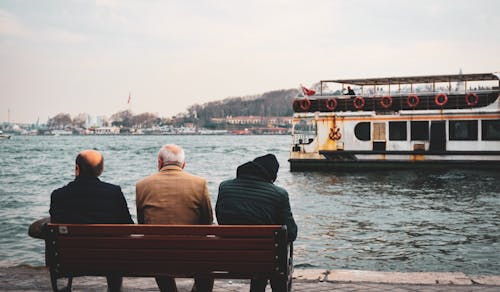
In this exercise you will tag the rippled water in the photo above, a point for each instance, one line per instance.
(419, 220)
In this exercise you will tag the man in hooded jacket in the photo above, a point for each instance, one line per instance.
(252, 198)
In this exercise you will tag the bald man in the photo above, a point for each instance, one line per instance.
(88, 200)
(173, 196)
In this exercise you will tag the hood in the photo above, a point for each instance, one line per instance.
(263, 167)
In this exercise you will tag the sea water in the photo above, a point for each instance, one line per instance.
(413, 220)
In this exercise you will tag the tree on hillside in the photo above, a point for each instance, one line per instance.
(59, 121)
(273, 103)
(80, 120)
(144, 120)
(122, 118)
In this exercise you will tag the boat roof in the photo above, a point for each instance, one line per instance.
(417, 79)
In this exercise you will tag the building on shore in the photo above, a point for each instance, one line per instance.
(254, 121)
(107, 131)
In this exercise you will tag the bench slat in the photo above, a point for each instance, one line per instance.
(165, 243)
(154, 268)
(126, 229)
(166, 255)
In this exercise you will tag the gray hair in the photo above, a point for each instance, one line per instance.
(171, 154)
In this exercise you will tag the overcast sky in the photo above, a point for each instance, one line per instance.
(77, 56)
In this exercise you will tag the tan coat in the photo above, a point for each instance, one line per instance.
(173, 196)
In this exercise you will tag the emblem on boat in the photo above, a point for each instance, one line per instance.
(335, 134)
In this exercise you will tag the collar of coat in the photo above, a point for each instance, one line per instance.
(169, 167)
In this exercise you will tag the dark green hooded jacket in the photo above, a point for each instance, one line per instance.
(252, 198)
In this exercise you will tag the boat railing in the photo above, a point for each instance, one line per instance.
(402, 93)
(406, 94)
(394, 101)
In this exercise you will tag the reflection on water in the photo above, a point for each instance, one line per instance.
(438, 220)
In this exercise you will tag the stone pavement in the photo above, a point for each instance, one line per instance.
(24, 278)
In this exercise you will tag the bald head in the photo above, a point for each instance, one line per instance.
(171, 154)
(89, 163)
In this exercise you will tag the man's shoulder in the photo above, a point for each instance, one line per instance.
(96, 183)
(67, 188)
(280, 190)
(147, 179)
(193, 177)
(253, 184)
(271, 187)
(109, 186)
(75, 187)
(227, 182)
(159, 176)
(60, 191)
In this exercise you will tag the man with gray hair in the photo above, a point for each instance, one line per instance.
(173, 196)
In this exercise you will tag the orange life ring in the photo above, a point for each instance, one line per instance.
(441, 99)
(386, 101)
(412, 100)
(331, 104)
(474, 101)
(304, 104)
(335, 134)
(358, 102)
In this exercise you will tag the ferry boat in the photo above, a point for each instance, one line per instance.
(398, 122)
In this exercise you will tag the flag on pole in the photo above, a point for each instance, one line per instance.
(307, 91)
(128, 102)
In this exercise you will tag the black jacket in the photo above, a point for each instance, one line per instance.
(89, 201)
(251, 199)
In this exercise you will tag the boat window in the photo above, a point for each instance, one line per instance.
(490, 130)
(397, 131)
(420, 130)
(362, 131)
(304, 131)
(463, 130)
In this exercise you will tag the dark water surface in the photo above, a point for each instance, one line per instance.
(413, 220)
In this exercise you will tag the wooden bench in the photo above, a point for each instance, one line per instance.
(131, 250)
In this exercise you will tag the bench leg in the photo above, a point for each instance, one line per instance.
(280, 284)
(284, 283)
(53, 282)
(70, 284)
(258, 284)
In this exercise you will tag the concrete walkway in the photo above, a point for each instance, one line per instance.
(22, 278)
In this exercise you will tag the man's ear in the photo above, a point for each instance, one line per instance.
(77, 170)
(160, 163)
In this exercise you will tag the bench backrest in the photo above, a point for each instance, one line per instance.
(229, 251)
